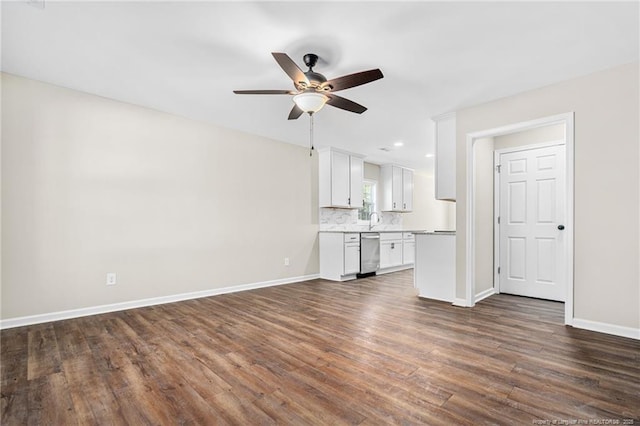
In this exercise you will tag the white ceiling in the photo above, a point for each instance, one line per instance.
(187, 57)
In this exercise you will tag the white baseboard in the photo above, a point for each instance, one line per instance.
(460, 302)
(601, 327)
(394, 269)
(484, 294)
(102, 309)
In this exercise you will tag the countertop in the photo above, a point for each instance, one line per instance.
(413, 231)
(436, 233)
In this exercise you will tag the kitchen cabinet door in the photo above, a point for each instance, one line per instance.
(340, 177)
(356, 176)
(407, 190)
(390, 254)
(351, 259)
(397, 188)
(408, 252)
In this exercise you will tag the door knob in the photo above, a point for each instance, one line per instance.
(561, 227)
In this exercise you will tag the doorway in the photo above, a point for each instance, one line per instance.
(529, 217)
(473, 284)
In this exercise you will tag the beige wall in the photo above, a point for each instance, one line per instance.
(543, 134)
(91, 185)
(607, 185)
(428, 213)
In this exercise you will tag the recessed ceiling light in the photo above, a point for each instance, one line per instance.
(398, 144)
(429, 155)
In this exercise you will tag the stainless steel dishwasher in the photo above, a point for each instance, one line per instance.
(369, 253)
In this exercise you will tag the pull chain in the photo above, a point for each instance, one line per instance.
(311, 134)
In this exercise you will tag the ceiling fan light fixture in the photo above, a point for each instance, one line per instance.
(310, 101)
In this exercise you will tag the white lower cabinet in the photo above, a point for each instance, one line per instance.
(408, 248)
(434, 273)
(351, 258)
(390, 249)
(339, 255)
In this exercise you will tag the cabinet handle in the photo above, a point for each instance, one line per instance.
(404, 206)
(393, 245)
(349, 201)
(394, 205)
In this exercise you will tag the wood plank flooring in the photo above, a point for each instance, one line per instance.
(365, 352)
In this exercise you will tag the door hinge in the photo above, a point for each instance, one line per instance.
(498, 168)
(498, 269)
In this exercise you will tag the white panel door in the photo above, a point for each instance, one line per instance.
(532, 209)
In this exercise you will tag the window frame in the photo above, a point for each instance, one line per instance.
(374, 198)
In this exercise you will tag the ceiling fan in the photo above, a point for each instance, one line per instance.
(313, 90)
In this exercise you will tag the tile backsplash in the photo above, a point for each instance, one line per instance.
(347, 220)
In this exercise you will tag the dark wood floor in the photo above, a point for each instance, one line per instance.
(365, 352)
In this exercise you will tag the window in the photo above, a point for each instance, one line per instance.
(368, 200)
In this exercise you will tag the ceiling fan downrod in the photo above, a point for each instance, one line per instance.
(311, 134)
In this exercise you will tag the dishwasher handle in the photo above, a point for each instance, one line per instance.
(370, 237)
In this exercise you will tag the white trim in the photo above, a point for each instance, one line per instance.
(460, 302)
(470, 215)
(496, 225)
(114, 307)
(484, 294)
(394, 269)
(601, 327)
(373, 182)
(568, 120)
(569, 153)
(528, 147)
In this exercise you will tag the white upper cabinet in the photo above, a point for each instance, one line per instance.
(397, 188)
(356, 166)
(340, 178)
(407, 190)
(445, 157)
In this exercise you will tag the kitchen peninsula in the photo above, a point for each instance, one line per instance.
(434, 273)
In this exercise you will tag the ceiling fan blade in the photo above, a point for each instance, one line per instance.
(290, 67)
(264, 92)
(346, 104)
(295, 112)
(353, 80)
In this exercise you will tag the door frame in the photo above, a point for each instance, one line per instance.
(568, 120)
(496, 199)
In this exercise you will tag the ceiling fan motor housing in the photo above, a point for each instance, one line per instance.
(310, 60)
(315, 78)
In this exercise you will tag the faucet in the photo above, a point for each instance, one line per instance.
(370, 216)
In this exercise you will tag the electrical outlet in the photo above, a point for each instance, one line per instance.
(111, 278)
(286, 261)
